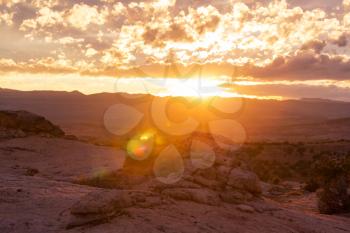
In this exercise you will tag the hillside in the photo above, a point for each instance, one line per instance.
(291, 120)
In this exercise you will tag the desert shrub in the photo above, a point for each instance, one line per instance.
(329, 167)
(284, 171)
(333, 198)
(331, 172)
(276, 180)
(312, 150)
(302, 167)
(31, 172)
(301, 149)
(312, 185)
(288, 150)
(271, 171)
(251, 151)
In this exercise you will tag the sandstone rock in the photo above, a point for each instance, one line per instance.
(189, 168)
(222, 158)
(106, 201)
(101, 206)
(78, 221)
(202, 196)
(245, 208)
(291, 185)
(97, 207)
(223, 171)
(235, 196)
(265, 188)
(101, 202)
(209, 173)
(23, 123)
(31, 172)
(244, 180)
(277, 190)
(184, 184)
(71, 137)
(178, 194)
(205, 182)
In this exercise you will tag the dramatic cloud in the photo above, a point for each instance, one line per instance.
(265, 40)
(304, 66)
(296, 89)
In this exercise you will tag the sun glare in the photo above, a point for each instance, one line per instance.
(177, 87)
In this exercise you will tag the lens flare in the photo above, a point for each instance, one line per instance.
(141, 146)
(202, 155)
(169, 166)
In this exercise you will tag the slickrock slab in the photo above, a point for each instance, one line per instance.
(103, 205)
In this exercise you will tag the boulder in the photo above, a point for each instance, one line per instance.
(101, 202)
(244, 180)
(102, 205)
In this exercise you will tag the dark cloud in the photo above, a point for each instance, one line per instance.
(175, 33)
(312, 4)
(304, 66)
(297, 91)
(342, 41)
(22, 12)
(316, 45)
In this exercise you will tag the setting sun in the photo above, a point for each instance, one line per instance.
(163, 116)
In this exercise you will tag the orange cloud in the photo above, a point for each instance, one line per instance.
(271, 41)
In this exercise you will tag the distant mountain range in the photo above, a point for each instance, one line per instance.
(267, 120)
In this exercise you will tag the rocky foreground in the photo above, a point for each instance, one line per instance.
(52, 184)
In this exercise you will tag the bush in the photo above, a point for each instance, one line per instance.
(332, 173)
(334, 197)
(311, 185)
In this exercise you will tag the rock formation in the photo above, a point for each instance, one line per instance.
(14, 124)
(225, 182)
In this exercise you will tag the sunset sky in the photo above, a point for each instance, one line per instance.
(265, 49)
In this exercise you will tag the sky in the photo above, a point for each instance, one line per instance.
(263, 49)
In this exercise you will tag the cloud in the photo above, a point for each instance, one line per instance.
(90, 52)
(10, 3)
(6, 18)
(82, 15)
(294, 39)
(304, 65)
(46, 18)
(316, 45)
(295, 90)
(342, 40)
(346, 3)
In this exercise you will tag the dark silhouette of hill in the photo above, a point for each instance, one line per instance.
(82, 115)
